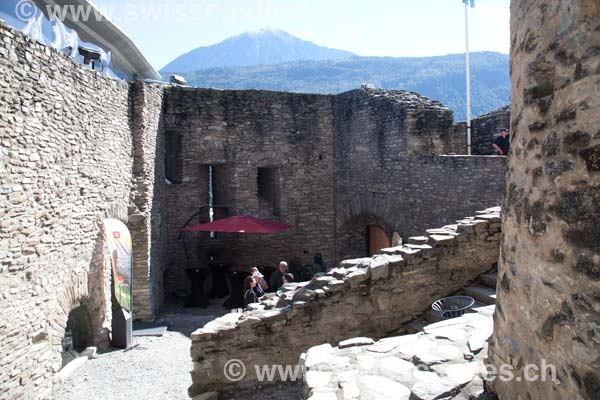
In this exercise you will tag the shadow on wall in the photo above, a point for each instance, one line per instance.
(78, 333)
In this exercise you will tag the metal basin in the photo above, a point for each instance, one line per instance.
(454, 306)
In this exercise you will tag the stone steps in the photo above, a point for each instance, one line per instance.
(425, 366)
(489, 280)
(433, 316)
(481, 294)
(476, 306)
(484, 293)
(416, 326)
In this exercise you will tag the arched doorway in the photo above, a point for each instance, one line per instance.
(78, 333)
(377, 239)
(362, 236)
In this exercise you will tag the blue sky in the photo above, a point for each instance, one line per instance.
(165, 29)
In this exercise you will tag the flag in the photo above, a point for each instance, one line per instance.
(469, 1)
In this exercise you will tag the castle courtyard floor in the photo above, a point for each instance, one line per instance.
(155, 368)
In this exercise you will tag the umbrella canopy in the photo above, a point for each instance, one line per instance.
(240, 224)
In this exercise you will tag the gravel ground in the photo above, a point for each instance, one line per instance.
(156, 368)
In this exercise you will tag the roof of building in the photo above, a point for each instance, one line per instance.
(125, 55)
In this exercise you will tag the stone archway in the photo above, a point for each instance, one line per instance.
(83, 310)
(362, 236)
(378, 239)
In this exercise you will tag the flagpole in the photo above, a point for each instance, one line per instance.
(468, 78)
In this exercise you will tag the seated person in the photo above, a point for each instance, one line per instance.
(288, 278)
(249, 295)
(260, 293)
(262, 282)
(319, 263)
(295, 267)
(276, 280)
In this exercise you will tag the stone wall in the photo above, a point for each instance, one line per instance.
(238, 132)
(341, 163)
(548, 307)
(389, 172)
(408, 194)
(485, 130)
(370, 297)
(65, 165)
(378, 124)
(147, 211)
(459, 133)
(78, 147)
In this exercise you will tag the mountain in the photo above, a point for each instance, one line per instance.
(440, 78)
(263, 47)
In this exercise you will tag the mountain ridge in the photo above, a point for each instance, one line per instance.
(261, 47)
(440, 78)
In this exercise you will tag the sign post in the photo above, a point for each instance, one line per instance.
(119, 245)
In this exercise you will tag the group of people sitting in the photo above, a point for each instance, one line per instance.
(255, 285)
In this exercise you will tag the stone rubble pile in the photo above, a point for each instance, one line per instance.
(445, 361)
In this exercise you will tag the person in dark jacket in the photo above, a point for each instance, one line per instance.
(502, 142)
(249, 295)
(319, 263)
(276, 280)
(295, 267)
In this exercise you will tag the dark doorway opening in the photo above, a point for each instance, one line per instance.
(78, 333)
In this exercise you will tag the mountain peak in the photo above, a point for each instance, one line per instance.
(265, 31)
(265, 46)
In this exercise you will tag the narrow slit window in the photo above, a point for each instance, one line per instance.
(267, 179)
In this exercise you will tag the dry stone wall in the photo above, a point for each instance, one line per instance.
(147, 210)
(238, 132)
(389, 171)
(485, 130)
(392, 123)
(76, 147)
(342, 162)
(548, 305)
(65, 166)
(370, 297)
(407, 194)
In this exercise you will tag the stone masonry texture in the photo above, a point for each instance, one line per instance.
(387, 172)
(66, 163)
(237, 132)
(344, 162)
(77, 147)
(548, 305)
(371, 297)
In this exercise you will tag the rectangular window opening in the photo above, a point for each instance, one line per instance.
(173, 158)
(267, 179)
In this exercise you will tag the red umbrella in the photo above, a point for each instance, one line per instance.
(240, 224)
